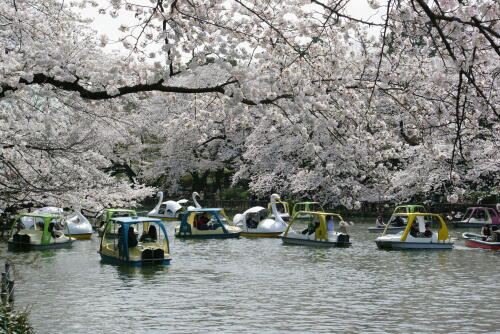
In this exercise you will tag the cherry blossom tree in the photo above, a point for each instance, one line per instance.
(294, 95)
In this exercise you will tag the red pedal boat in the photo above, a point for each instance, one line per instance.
(475, 241)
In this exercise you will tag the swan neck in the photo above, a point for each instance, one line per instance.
(277, 216)
(160, 199)
(196, 204)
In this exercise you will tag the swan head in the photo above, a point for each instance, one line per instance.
(275, 197)
(196, 194)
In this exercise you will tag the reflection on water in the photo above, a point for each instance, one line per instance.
(261, 286)
(147, 273)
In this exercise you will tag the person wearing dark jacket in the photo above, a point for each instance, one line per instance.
(132, 238)
(414, 232)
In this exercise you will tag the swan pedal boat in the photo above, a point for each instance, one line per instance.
(255, 221)
(474, 240)
(476, 217)
(169, 210)
(151, 248)
(404, 240)
(321, 236)
(282, 209)
(41, 235)
(206, 223)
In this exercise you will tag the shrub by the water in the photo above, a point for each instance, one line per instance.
(12, 322)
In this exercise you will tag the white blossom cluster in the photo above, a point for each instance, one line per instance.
(290, 96)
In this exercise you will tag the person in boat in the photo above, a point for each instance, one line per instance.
(252, 222)
(485, 232)
(414, 232)
(132, 238)
(379, 222)
(480, 215)
(330, 227)
(495, 234)
(311, 227)
(51, 229)
(397, 221)
(427, 233)
(149, 236)
(197, 221)
(203, 222)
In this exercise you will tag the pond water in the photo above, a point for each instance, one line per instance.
(261, 286)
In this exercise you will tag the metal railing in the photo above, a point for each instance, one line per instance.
(7, 289)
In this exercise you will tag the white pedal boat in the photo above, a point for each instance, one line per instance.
(317, 233)
(404, 239)
(169, 210)
(256, 222)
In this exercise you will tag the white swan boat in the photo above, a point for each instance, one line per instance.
(169, 210)
(75, 225)
(78, 226)
(282, 208)
(405, 239)
(317, 232)
(255, 221)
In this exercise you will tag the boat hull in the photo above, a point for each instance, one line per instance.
(24, 246)
(207, 236)
(260, 235)
(115, 260)
(482, 244)
(308, 242)
(82, 236)
(389, 244)
(475, 241)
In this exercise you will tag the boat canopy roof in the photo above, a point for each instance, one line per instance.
(40, 215)
(208, 210)
(316, 213)
(135, 220)
(308, 203)
(320, 213)
(255, 209)
(409, 207)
